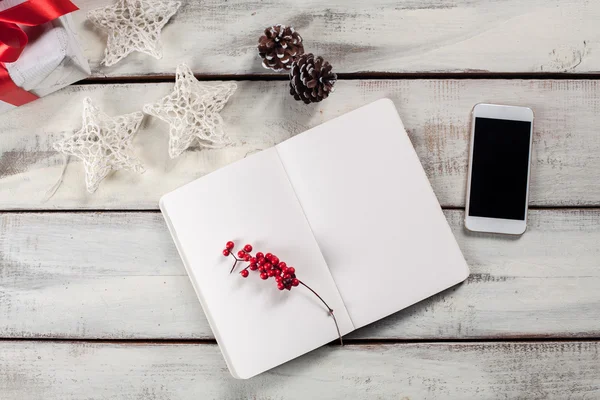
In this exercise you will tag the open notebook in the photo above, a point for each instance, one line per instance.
(347, 204)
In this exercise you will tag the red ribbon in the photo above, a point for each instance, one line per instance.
(13, 39)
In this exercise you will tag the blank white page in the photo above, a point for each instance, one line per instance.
(257, 326)
(373, 212)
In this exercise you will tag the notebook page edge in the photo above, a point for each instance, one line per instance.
(165, 204)
(443, 286)
(164, 211)
(457, 275)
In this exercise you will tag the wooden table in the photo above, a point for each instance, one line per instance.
(95, 303)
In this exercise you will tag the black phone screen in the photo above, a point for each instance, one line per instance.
(499, 168)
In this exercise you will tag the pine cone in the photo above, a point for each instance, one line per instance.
(311, 79)
(279, 46)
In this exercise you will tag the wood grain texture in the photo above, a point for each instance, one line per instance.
(436, 114)
(118, 276)
(69, 371)
(115, 275)
(216, 37)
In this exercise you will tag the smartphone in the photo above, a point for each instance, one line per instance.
(499, 169)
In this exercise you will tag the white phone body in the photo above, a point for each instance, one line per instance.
(513, 219)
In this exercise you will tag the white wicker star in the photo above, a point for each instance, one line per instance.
(133, 25)
(192, 110)
(103, 143)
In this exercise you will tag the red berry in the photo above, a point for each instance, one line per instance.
(284, 270)
(253, 260)
(229, 245)
(244, 273)
(264, 276)
(225, 252)
(271, 273)
(267, 265)
(247, 257)
(260, 255)
(261, 261)
(247, 248)
(261, 269)
(282, 265)
(287, 276)
(241, 254)
(280, 286)
(268, 256)
(291, 270)
(278, 278)
(253, 267)
(275, 260)
(295, 282)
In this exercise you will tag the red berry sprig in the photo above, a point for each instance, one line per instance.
(269, 266)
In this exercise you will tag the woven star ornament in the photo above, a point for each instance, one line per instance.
(192, 111)
(103, 144)
(133, 25)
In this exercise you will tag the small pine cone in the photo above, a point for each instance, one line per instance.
(279, 46)
(311, 79)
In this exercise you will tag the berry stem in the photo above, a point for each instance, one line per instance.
(235, 263)
(337, 327)
(328, 308)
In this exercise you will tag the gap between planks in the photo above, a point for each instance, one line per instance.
(335, 343)
(148, 210)
(347, 76)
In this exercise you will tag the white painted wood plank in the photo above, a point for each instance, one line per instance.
(218, 37)
(76, 370)
(436, 114)
(118, 276)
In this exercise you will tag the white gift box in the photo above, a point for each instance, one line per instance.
(51, 60)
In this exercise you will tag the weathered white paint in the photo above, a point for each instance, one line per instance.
(80, 370)
(436, 114)
(216, 37)
(118, 276)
